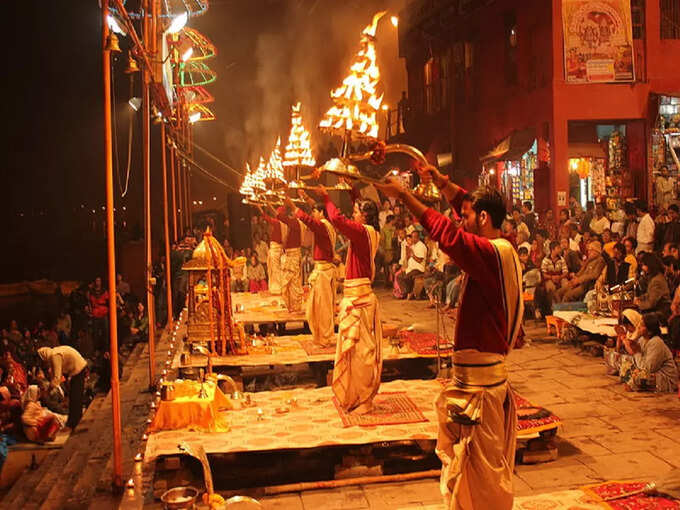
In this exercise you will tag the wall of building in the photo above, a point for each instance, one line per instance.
(485, 107)
(598, 102)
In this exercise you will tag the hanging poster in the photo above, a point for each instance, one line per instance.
(598, 41)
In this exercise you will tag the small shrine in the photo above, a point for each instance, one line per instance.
(210, 318)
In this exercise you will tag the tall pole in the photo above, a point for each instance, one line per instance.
(180, 197)
(174, 200)
(168, 281)
(111, 253)
(146, 142)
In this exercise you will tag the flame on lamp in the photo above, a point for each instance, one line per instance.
(356, 100)
(299, 148)
(274, 169)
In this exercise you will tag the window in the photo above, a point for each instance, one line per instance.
(670, 19)
(436, 78)
(637, 10)
(430, 73)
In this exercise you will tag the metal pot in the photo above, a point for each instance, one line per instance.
(168, 391)
(179, 498)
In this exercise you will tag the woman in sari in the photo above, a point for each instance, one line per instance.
(650, 366)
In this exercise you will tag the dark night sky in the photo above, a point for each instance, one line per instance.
(271, 53)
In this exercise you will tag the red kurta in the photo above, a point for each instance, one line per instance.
(358, 263)
(322, 242)
(294, 239)
(275, 233)
(482, 322)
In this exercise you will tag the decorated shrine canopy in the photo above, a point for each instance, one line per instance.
(195, 74)
(356, 101)
(196, 95)
(205, 113)
(201, 46)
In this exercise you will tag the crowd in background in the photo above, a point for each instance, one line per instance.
(52, 369)
(594, 256)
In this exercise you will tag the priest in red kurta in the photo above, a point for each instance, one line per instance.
(358, 355)
(291, 269)
(277, 236)
(320, 311)
(476, 410)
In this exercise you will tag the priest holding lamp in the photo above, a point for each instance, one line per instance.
(476, 411)
(320, 310)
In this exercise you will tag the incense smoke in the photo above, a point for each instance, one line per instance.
(300, 51)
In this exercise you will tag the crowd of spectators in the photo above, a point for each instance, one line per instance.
(52, 369)
(592, 255)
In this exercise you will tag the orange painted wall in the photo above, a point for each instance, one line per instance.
(608, 101)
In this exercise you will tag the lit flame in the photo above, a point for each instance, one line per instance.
(274, 169)
(247, 184)
(258, 176)
(356, 100)
(299, 148)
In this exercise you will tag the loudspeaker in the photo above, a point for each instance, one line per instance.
(240, 236)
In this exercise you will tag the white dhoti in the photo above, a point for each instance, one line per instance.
(477, 434)
(291, 280)
(321, 304)
(274, 267)
(358, 356)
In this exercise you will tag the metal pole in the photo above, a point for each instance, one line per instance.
(146, 142)
(168, 281)
(111, 252)
(174, 200)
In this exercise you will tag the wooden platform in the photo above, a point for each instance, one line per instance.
(274, 422)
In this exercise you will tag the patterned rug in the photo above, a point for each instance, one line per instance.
(532, 419)
(603, 491)
(394, 408)
(424, 344)
(313, 349)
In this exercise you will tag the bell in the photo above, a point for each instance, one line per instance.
(132, 66)
(112, 43)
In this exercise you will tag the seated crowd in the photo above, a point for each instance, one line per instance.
(587, 257)
(50, 371)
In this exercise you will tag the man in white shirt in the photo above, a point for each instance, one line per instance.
(599, 223)
(416, 255)
(645, 230)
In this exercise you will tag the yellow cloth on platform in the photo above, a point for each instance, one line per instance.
(187, 411)
(358, 356)
(477, 433)
(320, 311)
(291, 280)
(274, 267)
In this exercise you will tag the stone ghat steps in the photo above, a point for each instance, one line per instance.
(80, 472)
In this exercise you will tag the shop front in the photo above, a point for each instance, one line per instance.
(664, 150)
(603, 163)
(510, 167)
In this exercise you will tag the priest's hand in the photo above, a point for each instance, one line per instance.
(391, 187)
(289, 203)
(431, 170)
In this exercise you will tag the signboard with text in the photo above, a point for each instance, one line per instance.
(598, 41)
